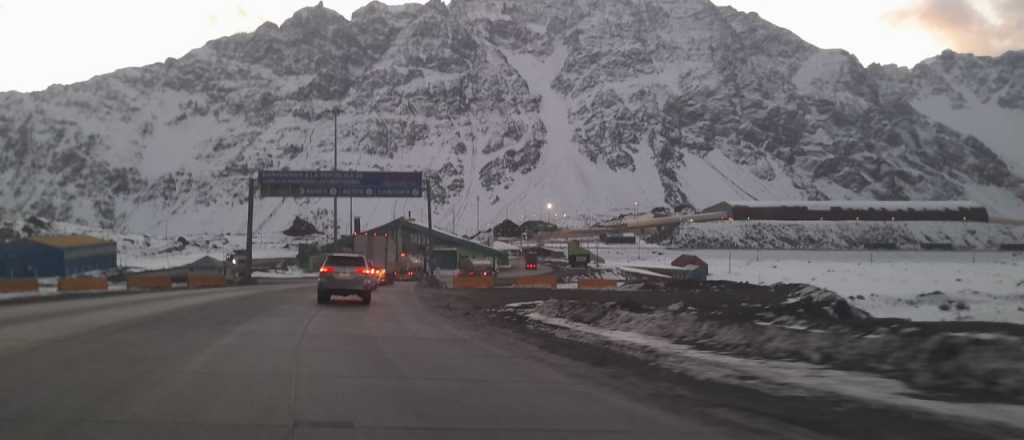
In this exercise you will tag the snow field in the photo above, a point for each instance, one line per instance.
(887, 284)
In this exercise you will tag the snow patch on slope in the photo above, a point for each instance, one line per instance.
(818, 71)
(997, 127)
(714, 178)
(565, 173)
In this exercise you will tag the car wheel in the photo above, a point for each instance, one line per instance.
(367, 297)
(323, 298)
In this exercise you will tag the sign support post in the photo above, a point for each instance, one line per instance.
(430, 228)
(335, 169)
(247, 277)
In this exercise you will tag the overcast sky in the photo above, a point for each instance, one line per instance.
(64, 41)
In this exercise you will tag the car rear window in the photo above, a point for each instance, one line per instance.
(337, 261)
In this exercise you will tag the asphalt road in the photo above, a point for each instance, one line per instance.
(267, 362)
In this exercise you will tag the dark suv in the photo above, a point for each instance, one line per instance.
(344, 275)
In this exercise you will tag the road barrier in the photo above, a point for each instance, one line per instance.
(597, 284)
(19, 285)
(464, 282)
(204, 281)
(540, 281)
(81, 284)
(150, 282)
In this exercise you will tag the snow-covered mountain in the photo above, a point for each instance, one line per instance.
(978, 96)
(591, 105)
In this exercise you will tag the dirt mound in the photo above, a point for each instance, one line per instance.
(301, 228)
(817, 303)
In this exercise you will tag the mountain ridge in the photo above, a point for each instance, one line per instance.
(518, 104)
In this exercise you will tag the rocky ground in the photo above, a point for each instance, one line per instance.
(815, 342)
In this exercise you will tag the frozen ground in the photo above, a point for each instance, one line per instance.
(981, 286)
(782, 377)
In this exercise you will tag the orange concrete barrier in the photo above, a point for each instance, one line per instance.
(205, 281)
(460, 282)
(597, 284)
(540, 281)
(81, 284)
(19, 285)
(149, 282)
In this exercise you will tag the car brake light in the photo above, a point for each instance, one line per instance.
(327, 269)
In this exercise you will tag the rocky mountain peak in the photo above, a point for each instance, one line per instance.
(376, 9)
(314, 18)
(592, 104)
(437, 5)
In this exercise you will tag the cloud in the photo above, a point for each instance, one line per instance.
(984, 27)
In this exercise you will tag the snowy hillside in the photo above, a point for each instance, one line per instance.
(978, 96)
(588, 104)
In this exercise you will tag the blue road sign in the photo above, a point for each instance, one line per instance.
(327, 184)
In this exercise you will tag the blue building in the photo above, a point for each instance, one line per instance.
(54, 256)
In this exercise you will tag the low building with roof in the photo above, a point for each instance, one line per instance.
(384, 245)
(56, 256)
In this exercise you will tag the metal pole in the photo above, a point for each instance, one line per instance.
(248, 232)
(477, 214)
(430, 228)
(351, 223)
(335, 169)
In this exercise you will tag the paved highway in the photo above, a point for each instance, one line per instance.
(267, 362)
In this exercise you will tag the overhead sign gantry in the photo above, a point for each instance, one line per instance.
(334, 184)
(330, 184)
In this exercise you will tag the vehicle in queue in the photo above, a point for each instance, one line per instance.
(408, 267)
(384, 277)
(236, 265)
(532, 261)
(346, 275)
(476, 268)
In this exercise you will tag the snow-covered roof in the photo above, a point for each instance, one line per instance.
(437, 233)
(859, 204)
(502, 246)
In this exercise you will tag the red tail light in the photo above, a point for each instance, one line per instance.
(327, 269)
(362, 271)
